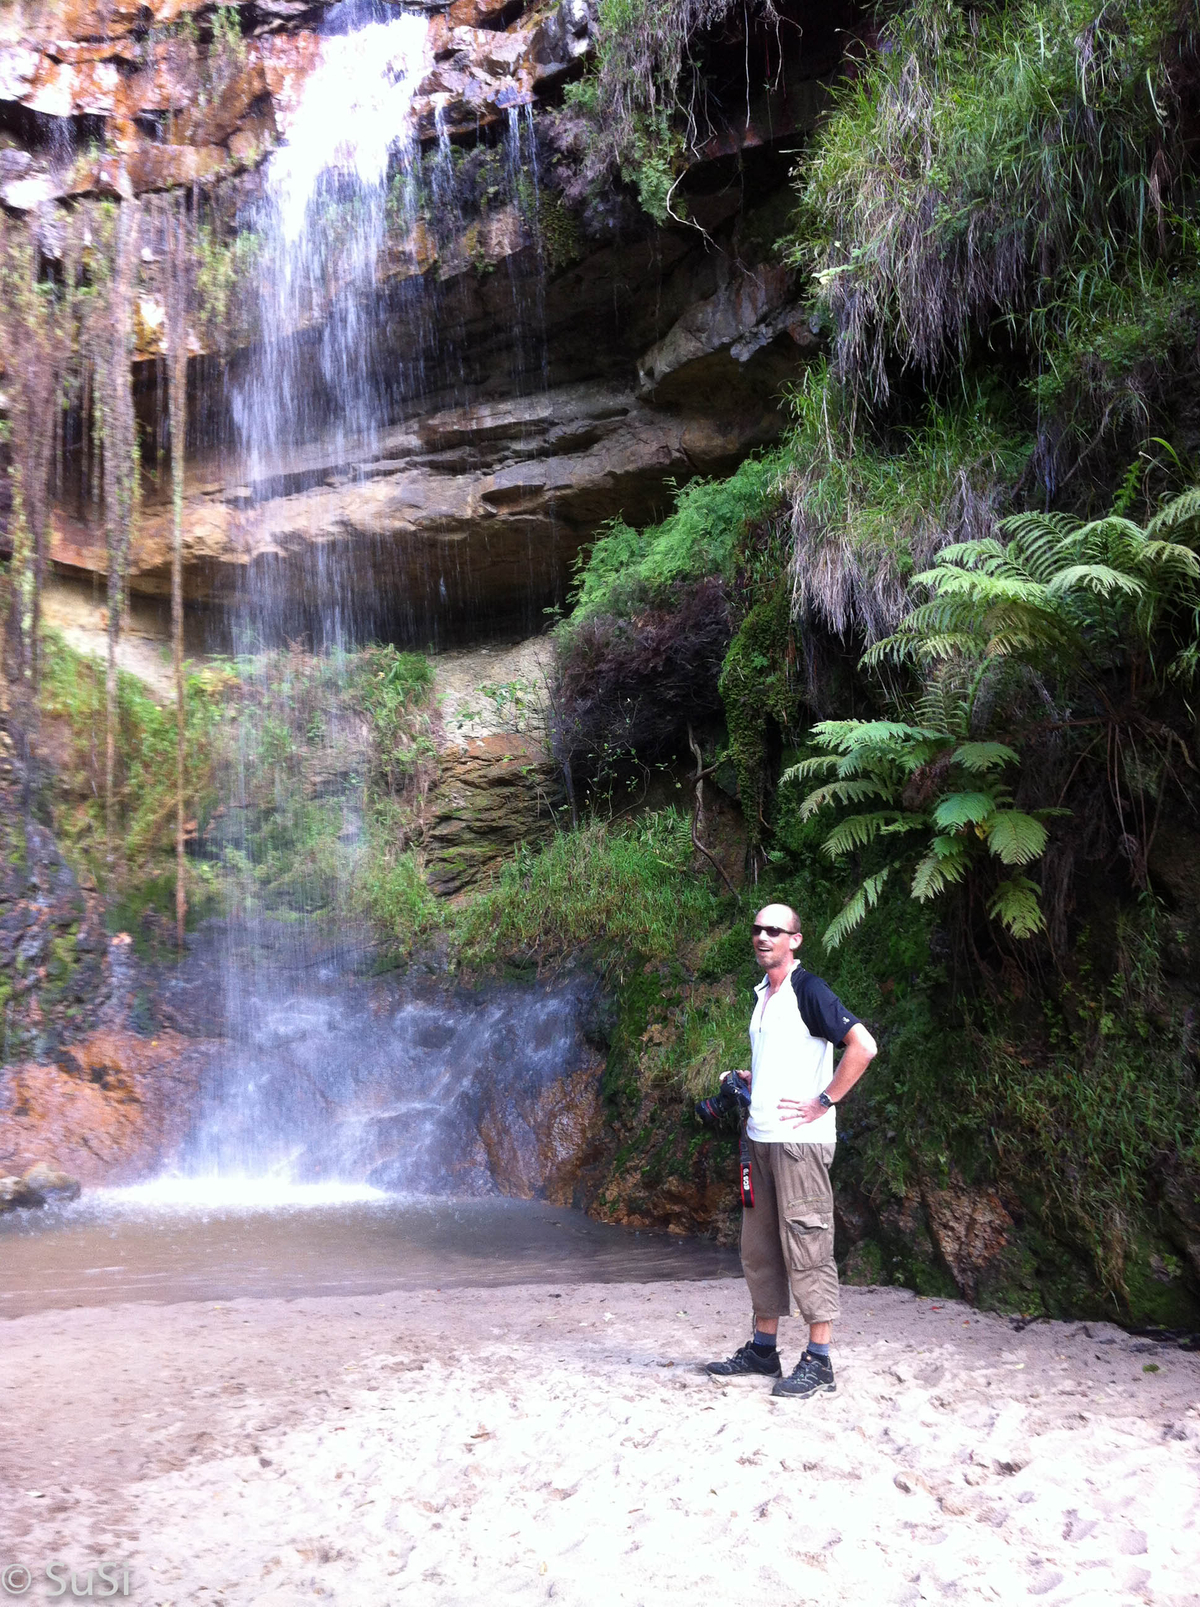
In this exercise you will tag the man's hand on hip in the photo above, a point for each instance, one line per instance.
(801, 1111)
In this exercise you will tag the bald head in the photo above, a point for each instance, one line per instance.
(778, 915)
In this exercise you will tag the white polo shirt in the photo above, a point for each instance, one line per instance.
(792, 1034)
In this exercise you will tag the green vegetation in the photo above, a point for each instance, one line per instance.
(1087, 1125)
(956, 693)
(1013, 171)
(630, 101)
(627, 890)
(1105, 617)
(626, 567)
(72, 700)
(325, 760)
(869, 508)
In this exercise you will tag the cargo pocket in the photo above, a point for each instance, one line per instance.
(810, 1235)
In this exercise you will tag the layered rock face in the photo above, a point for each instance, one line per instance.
(543, 366)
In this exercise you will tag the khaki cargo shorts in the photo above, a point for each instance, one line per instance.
(787, 1236)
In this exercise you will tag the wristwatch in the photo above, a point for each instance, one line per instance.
(824, 1099)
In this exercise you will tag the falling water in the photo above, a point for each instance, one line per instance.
(350, 156)
(322, 1081)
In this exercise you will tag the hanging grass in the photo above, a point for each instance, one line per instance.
(990, 175)
(628, 890)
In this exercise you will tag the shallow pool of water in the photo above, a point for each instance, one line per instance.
(174, 1241)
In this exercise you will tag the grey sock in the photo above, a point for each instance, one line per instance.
(818, 1350)
(763, 1343)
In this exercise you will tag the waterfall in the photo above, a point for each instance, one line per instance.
(323, 1080)
(349, 157)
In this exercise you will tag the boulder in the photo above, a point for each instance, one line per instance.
(541, 1145)
(15, 1192)
(970, 1226)
(51, 1183)
(112, 1107)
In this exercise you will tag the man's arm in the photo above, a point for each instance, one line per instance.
(860, 1050)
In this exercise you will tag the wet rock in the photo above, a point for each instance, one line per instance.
(497, 520)
(112, 1107)
(542, 1144)
(1180, 1193)
(469, 508)
(495, 793)
(50, 1183)
(971, 1229)
(16, 1194)
(748, 312)
(562, 39)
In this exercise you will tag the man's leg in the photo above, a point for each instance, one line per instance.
(806, 1225)
(766, 1275)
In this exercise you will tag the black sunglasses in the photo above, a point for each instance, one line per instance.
(772, 931)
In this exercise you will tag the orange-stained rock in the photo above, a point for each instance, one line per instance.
(90, 19)
(160, 167)
(286, 61)
(474, 13)
(970, 1227)
(109, 1111)
(541, 1145)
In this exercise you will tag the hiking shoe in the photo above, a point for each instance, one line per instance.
(812, 1375)
(745, 1364)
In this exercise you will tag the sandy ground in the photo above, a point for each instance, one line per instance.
(534, 1444)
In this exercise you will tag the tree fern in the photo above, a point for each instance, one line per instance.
(1016, 838)
(957, 809)
(1072, 606)
(1015, 904)
(854, 911)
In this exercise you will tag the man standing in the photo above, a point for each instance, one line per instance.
(787, 1235)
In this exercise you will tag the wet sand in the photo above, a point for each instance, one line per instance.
(544, 1443)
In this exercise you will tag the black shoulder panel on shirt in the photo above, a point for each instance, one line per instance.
(822, 1012)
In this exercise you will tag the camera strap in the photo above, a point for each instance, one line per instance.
(745, 1171)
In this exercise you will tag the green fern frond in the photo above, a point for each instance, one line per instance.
(856, 831)
(946, 862)
(1034, 526)
(847, 735)
(1015, 904)
(805, 769)
(980, 757)
(1016, 838)
(842, 792)
(961, 809)
(1171, 555)
(1180, 512)
(1100, 578)
(971, 553)
(852, 913)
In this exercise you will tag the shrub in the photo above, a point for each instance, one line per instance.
(630, 685)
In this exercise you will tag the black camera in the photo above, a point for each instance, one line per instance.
(732, 1098)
